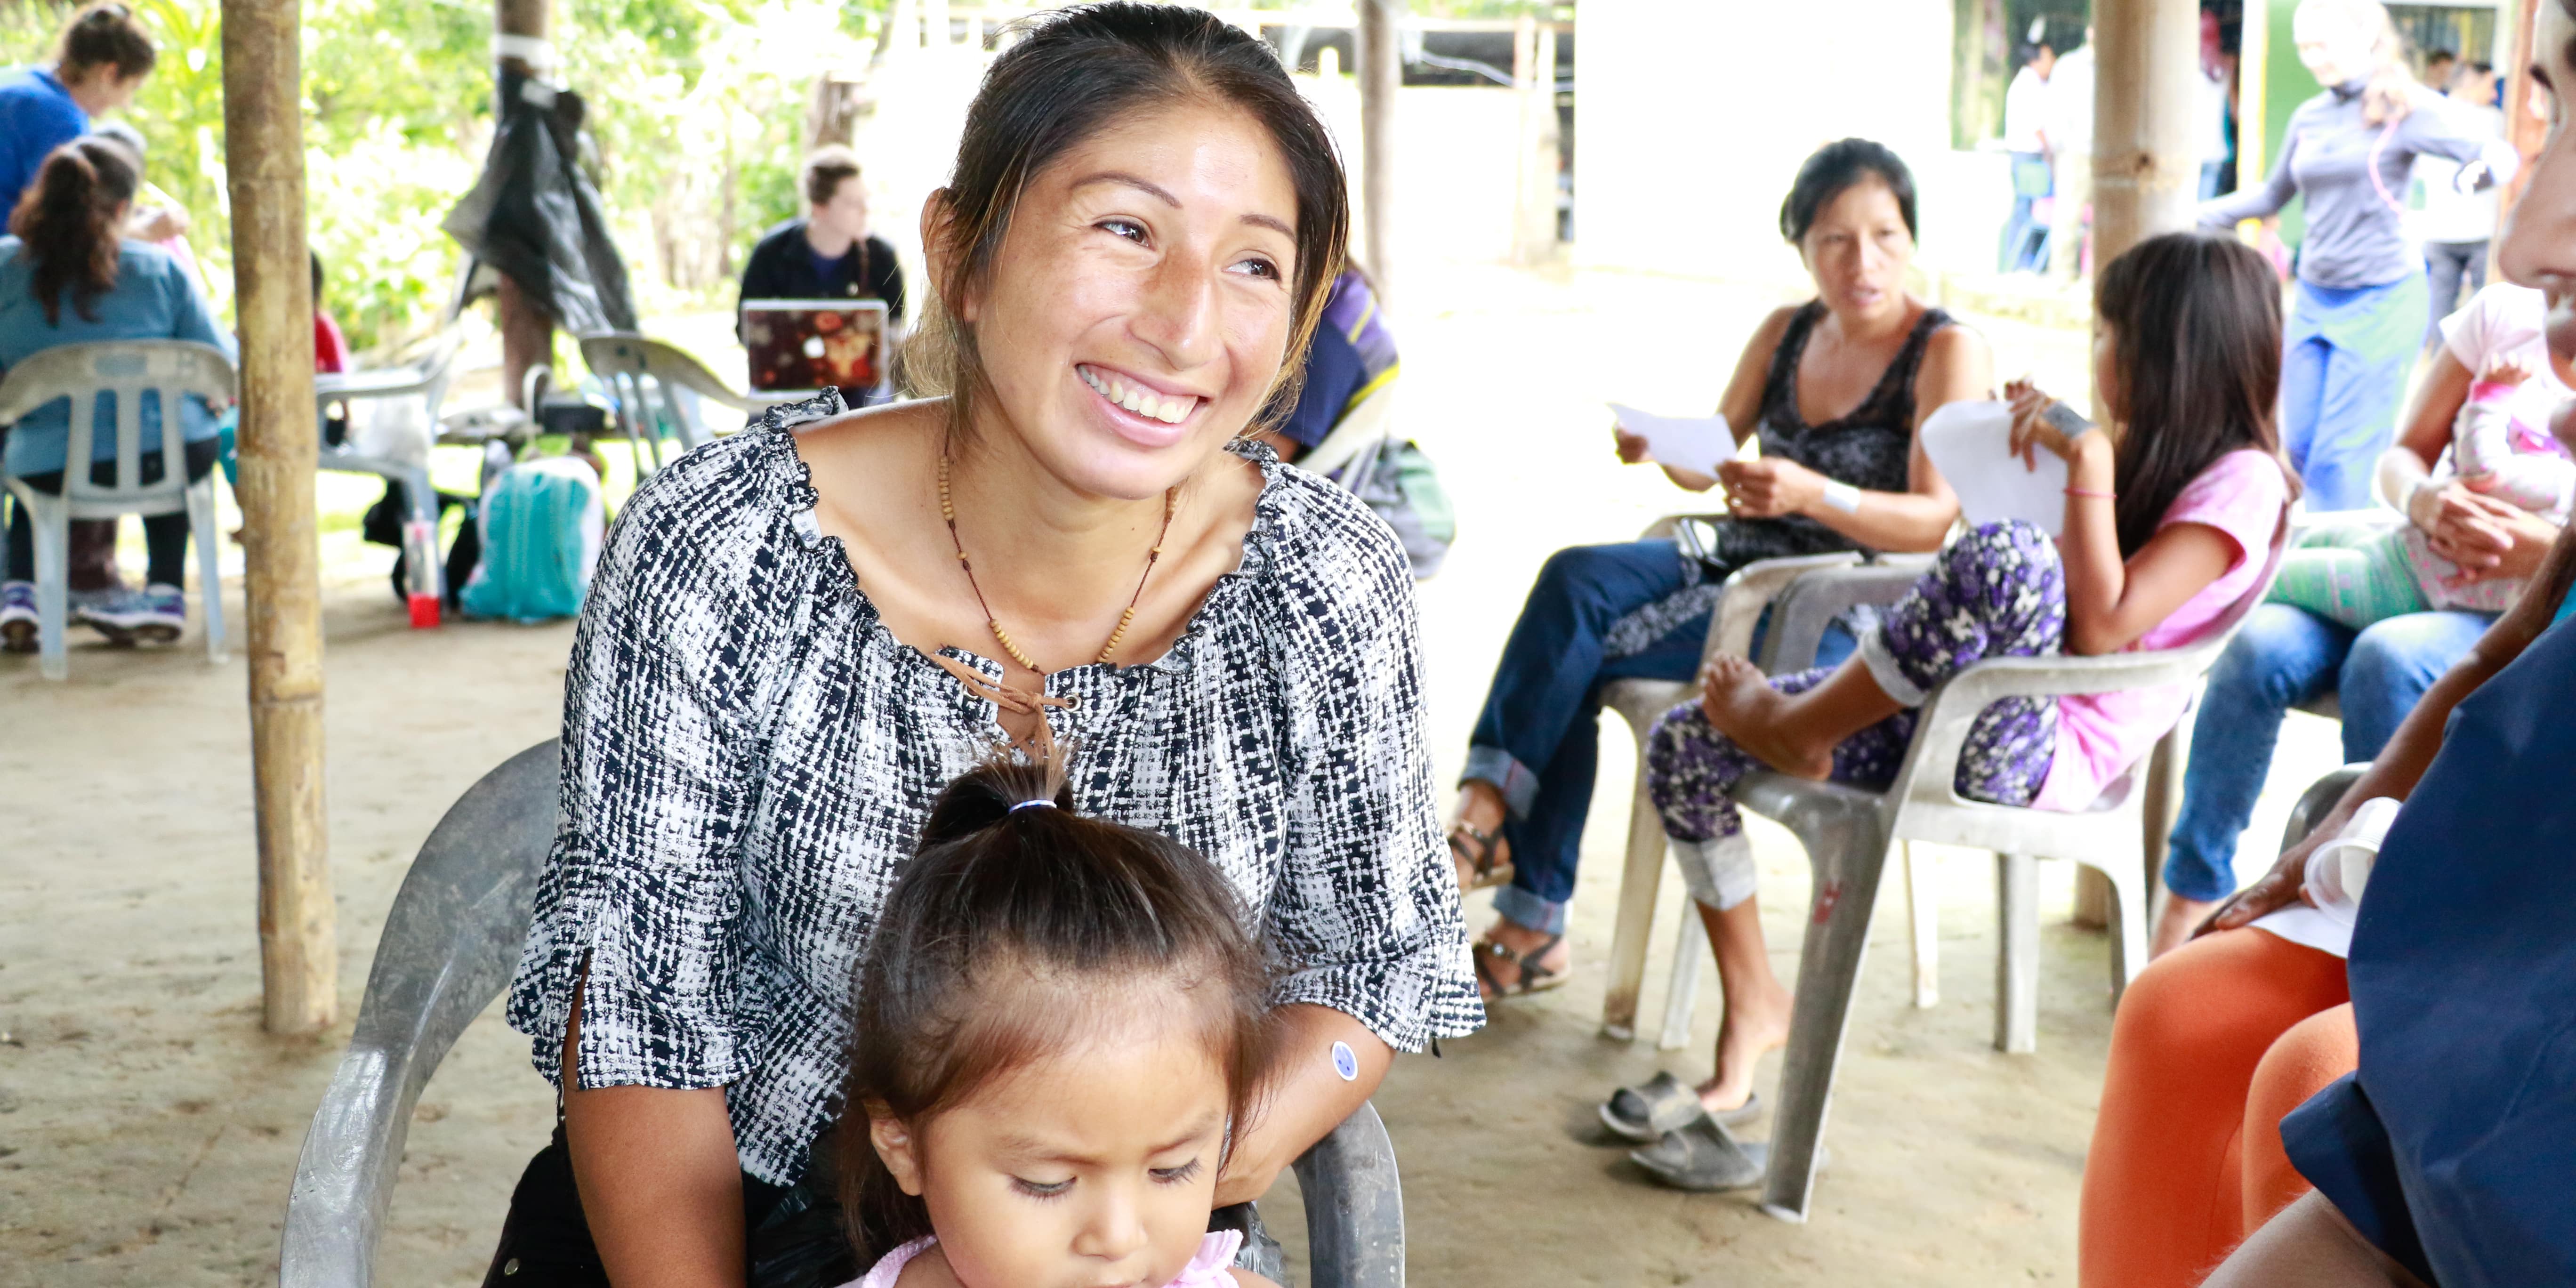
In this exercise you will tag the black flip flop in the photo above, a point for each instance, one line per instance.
(1663, 1103)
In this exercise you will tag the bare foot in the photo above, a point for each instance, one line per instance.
(2176, 918)
(1755, 1025)
(1524, 941)
(1741, 704)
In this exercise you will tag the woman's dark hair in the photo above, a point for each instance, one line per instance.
(67, 220)
(1076, 72)
(1006, 939)
(105, 35)
(1835, 167)
(2196, 338)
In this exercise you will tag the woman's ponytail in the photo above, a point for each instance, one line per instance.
(67, 220)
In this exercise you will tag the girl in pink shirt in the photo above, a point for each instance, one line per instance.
(2171, 516)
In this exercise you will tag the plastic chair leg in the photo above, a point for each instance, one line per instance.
(1923, 928)
(1681, 997)
(1849, 855)
(49, 521)
(1639, 884)
(210, 564)
(2132, 894)
(2016, 954)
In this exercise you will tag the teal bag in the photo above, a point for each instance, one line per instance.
(541, 524)
(1401, 485)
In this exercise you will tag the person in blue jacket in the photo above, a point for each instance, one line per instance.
(70, 276)
(101, 59)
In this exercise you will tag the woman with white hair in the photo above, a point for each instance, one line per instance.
(2362, 306)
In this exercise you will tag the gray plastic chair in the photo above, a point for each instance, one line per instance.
(1641, 702)
(128, 369)
(642, 375)
(449, 947)
(1848, 832)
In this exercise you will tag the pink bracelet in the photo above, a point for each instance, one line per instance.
(2086, 491)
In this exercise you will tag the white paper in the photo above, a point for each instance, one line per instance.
(1971, 444)
(2341, 864)
(1699, 444)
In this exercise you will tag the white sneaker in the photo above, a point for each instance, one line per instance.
(17, 617)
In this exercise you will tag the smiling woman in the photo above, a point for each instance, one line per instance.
(799, 634)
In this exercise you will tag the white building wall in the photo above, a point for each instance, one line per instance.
(1691, 117)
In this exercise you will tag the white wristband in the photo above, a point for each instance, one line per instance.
(1842, 496)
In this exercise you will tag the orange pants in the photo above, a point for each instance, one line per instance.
(2214, 1044)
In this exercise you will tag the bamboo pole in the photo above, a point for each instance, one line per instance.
(1381, 74)
(264, 155)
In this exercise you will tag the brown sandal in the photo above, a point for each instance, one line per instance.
(1486, 872)
(1533, 978)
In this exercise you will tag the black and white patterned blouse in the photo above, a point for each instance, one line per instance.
(749, 754)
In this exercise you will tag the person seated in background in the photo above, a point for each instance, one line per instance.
(828, 252)
(100, 60)
(67, 277)
(1837, 390)
(2169, 520)
(2444, 1158)
(1351, 358)
(2361, 575)
(2286, 655)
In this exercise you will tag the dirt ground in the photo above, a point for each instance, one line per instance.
(148, 1130)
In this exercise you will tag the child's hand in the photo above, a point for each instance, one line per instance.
(2505, 371)
(2031, 432)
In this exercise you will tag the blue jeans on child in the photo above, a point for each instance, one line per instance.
(1538, 739)
(2282, 657)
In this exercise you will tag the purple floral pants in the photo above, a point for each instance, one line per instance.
(1998, 591)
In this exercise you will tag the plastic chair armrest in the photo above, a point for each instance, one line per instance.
(1753, 588)
(1813, 601)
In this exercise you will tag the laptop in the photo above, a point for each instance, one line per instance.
(797, 345)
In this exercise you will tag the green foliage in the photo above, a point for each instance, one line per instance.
(696, 107)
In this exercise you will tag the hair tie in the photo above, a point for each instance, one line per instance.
(1035, 804)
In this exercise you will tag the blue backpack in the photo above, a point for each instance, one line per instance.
(541, 525)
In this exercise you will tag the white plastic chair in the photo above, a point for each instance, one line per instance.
(1848, 832)
(642, 374)
(418, 387)
(128, 369)
(1357, 437)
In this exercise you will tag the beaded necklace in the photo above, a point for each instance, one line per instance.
(948, 513)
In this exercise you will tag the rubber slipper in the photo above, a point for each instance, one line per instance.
(1643, 1113)
(1704, 1158)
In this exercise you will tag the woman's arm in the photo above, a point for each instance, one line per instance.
(1957, 367)
(1741, 404)
(2259, 202)
(1306, 1101)
(661, 1185)
(2401, 764)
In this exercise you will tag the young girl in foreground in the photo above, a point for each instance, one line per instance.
(2171, 513)
(1060, 1026)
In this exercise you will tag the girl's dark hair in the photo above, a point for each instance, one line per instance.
(1000, 943)
(1839, 165)
(105, 35)
(2196, 338)
(67, 220)
(1076, 72)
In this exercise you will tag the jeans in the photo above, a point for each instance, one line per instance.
(2285, 656)
(1538, 739)
(2024, 245)
(2450, 266)
(2342, 376)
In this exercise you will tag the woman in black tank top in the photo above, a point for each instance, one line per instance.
(1836, 389)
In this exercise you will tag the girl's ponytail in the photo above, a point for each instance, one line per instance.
(67, 219)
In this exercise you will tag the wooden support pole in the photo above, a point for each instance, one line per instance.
(2146, 163)
(1534, 200)
(1381, 74)
(527, 334)
(264, 157)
